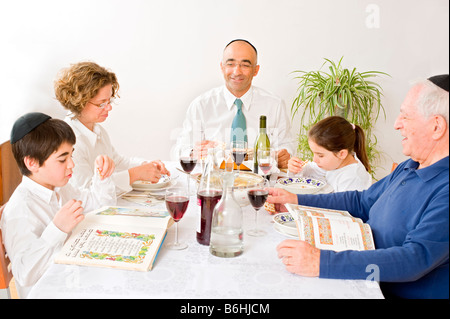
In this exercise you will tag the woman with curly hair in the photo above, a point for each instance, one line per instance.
(87, 91)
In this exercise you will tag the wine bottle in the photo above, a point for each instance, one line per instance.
(262, 142)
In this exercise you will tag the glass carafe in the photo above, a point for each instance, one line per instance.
(226, 228)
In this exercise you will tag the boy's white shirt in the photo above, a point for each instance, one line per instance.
(30, 237)
(347, 178)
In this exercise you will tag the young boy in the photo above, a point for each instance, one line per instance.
(44, 208)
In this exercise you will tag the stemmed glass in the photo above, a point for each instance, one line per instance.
(257, 196)
(188, 161)
(239, 151)
(267, 158)
(177, 201)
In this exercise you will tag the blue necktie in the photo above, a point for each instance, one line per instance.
(239, 125)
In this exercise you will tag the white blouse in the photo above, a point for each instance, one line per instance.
(91, 144)
(347, 178)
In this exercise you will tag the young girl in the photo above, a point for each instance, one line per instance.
(339, 155)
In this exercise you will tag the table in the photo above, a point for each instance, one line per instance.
(194, 273)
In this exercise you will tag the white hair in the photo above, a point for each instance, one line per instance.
(432, 100)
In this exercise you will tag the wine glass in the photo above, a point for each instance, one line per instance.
(219, 153)
(267, 158)
(239, 151)
(257, 196)
(188, 161)
(177, 201)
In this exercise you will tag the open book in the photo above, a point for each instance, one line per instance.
(117, 237)
(331, 229)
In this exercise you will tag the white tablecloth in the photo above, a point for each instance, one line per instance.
(195, 273)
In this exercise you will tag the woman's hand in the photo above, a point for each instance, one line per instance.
(151, 172)
(105, 166)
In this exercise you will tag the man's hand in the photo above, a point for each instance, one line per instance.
(279, 197)
(283, 158)
(300, 257)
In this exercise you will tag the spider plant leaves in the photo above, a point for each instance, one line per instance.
(338, 91)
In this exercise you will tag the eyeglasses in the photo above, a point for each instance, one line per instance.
(101, 106)
(242, 65)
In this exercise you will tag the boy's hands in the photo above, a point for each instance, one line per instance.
(70, 215)
(105, 166)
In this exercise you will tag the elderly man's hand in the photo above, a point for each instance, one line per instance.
(300, 257)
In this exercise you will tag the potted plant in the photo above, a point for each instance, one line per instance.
(340, 92)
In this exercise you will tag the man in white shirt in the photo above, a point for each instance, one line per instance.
(213, 112)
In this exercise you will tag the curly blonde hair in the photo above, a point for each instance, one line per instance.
(78, 84)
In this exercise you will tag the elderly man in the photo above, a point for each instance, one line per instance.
(407, 210)
(216, 111)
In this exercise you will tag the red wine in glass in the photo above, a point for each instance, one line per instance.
(177, 205)
(188, 163)
(239, 156)
(258, 197)
(265, 167)
(207, 201)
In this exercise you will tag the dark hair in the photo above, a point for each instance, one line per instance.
(41, 142)
(256, 51)
(335, 133)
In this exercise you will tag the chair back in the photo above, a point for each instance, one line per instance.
(394, 166)
(5, 271)
(10, 176)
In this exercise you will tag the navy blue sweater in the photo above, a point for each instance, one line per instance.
(408, 212)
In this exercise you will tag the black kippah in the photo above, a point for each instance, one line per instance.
(26, 123)
(440, 80)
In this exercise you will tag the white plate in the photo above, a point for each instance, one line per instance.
(285, 224)
(146, 185)
(301, 185)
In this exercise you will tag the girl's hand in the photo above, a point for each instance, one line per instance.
(295, 165)
(70, 215)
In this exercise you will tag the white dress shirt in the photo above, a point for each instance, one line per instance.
(91, 144)
(213, 112)
(30, 237)
(347, 178)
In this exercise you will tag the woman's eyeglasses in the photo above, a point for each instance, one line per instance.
(102, 105)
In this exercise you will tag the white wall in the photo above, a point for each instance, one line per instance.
(166, 52)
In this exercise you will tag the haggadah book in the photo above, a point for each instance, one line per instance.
(331, 229)
(117, 237)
